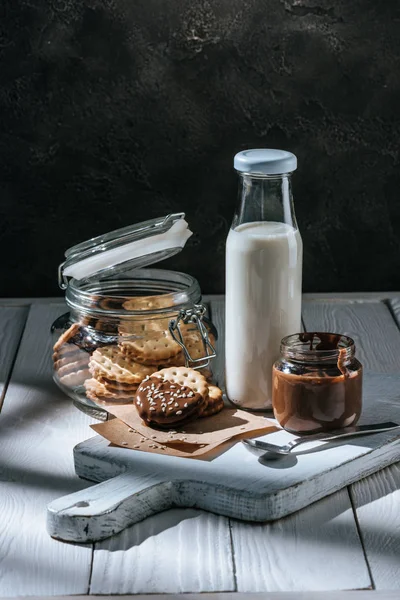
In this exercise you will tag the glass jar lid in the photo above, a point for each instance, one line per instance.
(128, 248)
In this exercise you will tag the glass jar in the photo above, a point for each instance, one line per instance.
(129, 323)
(317, 383)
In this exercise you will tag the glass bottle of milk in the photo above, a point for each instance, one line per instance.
(264, 255)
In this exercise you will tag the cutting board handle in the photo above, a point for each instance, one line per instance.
(102, 510)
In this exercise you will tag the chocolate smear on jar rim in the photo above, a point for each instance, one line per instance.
(323, 344)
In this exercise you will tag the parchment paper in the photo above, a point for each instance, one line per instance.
(200, 438)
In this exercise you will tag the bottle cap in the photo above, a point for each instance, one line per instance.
(265, 161)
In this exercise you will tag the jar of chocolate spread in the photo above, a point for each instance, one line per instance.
(317, 383)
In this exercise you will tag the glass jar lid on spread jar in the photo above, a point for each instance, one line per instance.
(317, 383)
(126, 322)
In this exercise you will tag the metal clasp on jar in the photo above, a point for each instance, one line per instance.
(193, 315)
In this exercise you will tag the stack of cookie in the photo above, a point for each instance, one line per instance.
(111, 367)
(151, 343)
(175, 396)
(115, 377)
(71, 358)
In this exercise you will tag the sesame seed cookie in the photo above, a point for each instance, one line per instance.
(162, 403)
(184, 376)
(215, 402)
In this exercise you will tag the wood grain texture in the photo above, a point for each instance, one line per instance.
(370, 324)
(315, 549)
(109, 507)
(38, 429)
(175, 551)
(32, 563)
(357, 320)
(28, 302)
(351, 296)
(394, 306)
(345, 595)
(377, 501)
(375, 498)
(12, 321)
(235, 484)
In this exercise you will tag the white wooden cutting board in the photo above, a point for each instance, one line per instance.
(236, 484)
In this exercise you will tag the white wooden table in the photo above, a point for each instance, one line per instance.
(348, 541)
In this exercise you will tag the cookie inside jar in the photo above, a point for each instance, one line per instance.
(123, 329)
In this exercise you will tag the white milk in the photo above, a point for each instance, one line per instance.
(263, 305)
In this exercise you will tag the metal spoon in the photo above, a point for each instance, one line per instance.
(263, 447)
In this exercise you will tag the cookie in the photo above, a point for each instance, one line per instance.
(142, 326)
(152, 350)
(66, 365)
(174, 361)
(60, 358)
(72, 370)
(113, 384)
(101, 326)
(75, 378)
(68, 351)
(122, 389)
(149, 302)
(71, 362)
(66, 336)
(109, 362)
(88, 340)
(194, 344)
(162, 403)
(215, 402)
(80, 339)
(179, 361)
(207, 373)
(184, 376)
(98, 392)
(196, 348)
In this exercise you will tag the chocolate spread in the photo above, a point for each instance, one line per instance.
(311, 397)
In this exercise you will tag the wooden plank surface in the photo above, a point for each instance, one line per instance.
(259, 570)
(376, 498)
(136, 485)
(378, 342)
(175, 551)
(28, 302)
(38, 429)
(199, 538)
(344, 595)
(275, 556)
(334, 296)
(31, 563)
(315, 549)
(394, 306)
(12, 322)
(370, 324)
(293, 537)
(377, 502)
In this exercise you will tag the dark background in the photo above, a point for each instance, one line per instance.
(115, 111)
